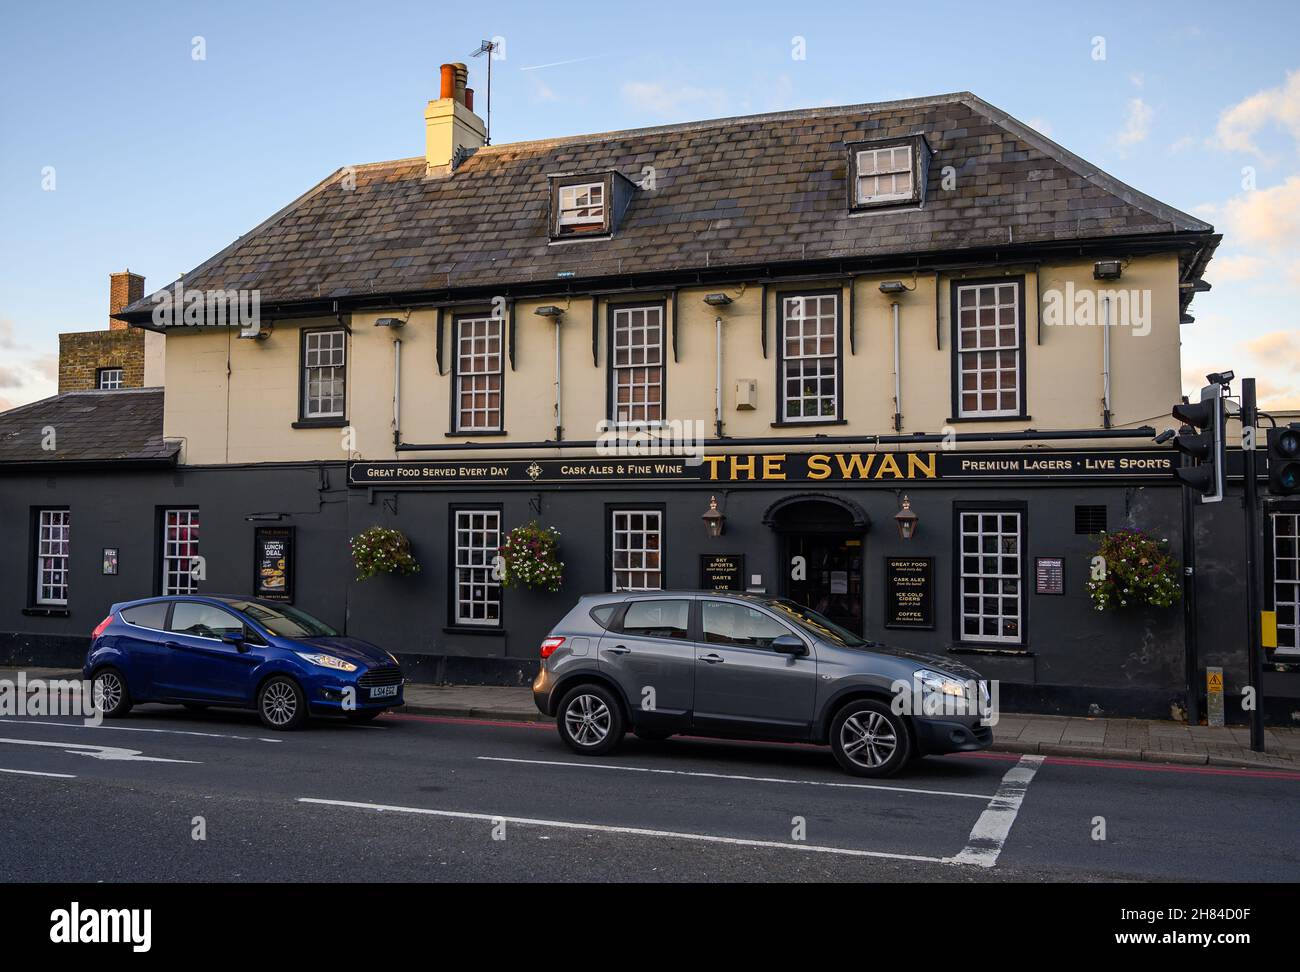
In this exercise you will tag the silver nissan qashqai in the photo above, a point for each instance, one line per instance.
(751, 666)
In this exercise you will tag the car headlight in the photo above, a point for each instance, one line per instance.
(939, 682)
(326, 661)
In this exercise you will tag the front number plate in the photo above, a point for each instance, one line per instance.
(384, 692)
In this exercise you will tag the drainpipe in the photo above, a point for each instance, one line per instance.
(898, 377)
(717, 376)
(397, 390)
(1105, 362)
(559, 414)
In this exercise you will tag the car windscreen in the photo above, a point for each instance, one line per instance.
(816, 624)
(282, 620)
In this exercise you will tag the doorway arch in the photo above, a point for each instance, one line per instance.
(821, 545)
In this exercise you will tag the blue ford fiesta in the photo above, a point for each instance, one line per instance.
(201, 650)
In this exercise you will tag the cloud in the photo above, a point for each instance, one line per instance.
(672, 99)
(1272, 358)
(7, 341)
(1240, 124)
(1281, 348)
(1266, 217)
(1244, 266)
(1137, 123)
(12, 378)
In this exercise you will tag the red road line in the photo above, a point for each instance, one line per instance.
(1003, 756)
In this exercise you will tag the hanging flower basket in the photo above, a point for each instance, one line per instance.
(382, 550)
(530, 558)
(1129, 569)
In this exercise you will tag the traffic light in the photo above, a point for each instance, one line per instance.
(1200, 440)
(1284, 460)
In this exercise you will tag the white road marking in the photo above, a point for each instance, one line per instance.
(97, 752)
(731, 776)
(60, 776)
(172, 732)
(632, 831)
(994, 825)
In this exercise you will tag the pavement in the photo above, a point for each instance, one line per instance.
(166, 794)
(1140, 740)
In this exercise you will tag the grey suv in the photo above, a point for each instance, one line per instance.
(750, 666)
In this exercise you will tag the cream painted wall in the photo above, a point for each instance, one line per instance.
(250, 417)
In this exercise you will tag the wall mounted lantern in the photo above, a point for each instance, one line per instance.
(907, 520)
(714, 518)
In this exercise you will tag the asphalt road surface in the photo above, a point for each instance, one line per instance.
(413, 798)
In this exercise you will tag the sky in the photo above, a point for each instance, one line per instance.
(149, 135)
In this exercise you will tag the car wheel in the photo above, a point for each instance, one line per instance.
(590, 721)
(363, 715)
(869, 739)
(281, 704)
(110, 693)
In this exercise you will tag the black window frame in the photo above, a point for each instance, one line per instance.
(920, 149)
(955, 352)
(1020, 646)
(453, 415)
(780, 421)
(610, 390)
(319, 422)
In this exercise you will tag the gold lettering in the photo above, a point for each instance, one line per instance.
(889, 463)
(772, 467)
(819, 466)
(857, 466)
(713, 465)
(746, 464)
(916, 461)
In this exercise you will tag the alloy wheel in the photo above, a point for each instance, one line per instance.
(279, 703)
(587, 719)
(868, 739)
(108, 692)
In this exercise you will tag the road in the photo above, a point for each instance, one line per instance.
(413, 798)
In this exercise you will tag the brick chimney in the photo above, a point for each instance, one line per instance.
(449, 121)
(123, 288)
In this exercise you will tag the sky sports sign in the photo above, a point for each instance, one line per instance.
(776, 469)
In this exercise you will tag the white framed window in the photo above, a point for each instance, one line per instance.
(479, 373)
(581, 205)
(638, 364)
(992, 587)
(180, 547)
(109, 379)
(637, 550)
(324, 362)
(884, 174)
(1286, 581)
(988, 349)
(478, 543)
(810, 347)
(54, 536)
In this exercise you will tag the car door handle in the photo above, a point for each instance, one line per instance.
(711, 659)
(619, 650)
(172, 644)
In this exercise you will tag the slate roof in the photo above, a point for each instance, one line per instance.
(732, 192)
(89, 426)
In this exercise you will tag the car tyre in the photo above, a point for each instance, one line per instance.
(111, 695)
(590, 720)
(281, 704)
(363, 715)
(870, 739)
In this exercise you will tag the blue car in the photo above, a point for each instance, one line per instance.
(200, 650)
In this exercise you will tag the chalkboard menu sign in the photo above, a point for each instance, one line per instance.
(909, 592)
(722, 572)
(273, 563)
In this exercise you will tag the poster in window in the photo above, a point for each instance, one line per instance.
(909, 592)
(273, 563)
(110, 561)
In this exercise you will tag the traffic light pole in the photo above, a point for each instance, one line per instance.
(1254, 650)
(1190, 651)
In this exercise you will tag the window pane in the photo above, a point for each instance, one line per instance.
(996, 615)
(730, 623)
(477, 592)
(657, 618)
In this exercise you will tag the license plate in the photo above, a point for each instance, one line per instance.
(384, 692)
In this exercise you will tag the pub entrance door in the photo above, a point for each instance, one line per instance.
(821, 543)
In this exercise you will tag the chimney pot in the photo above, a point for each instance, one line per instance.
(448, 82)
(469, 98)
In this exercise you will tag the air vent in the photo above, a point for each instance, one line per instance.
(1089, 519)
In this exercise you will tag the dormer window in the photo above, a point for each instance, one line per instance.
(588, 205)
(888, 173)
(582, 207)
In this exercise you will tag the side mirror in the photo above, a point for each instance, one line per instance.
(789, 645)
(235, 641)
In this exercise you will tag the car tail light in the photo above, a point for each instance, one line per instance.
(100, 627)
(549, 645)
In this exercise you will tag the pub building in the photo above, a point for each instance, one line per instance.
(901, 362)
